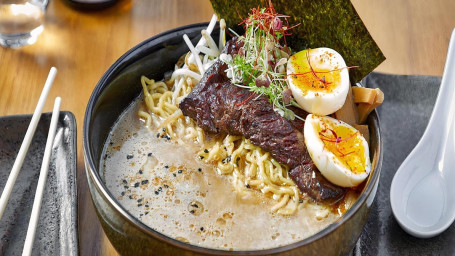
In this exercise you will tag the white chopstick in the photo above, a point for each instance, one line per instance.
(41, 181)
(26, 143)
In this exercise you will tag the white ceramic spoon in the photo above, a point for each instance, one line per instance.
(422, 194)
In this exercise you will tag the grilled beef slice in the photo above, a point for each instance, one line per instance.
(219, 107)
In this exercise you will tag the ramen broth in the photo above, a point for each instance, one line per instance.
(169, 189)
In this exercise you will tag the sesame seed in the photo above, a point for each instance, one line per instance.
(136, 184)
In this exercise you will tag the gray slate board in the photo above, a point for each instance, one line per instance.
(408, 102)
(57, 225)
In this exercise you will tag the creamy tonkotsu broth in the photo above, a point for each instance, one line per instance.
(166, 187)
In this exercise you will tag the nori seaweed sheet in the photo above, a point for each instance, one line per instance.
(323, 23)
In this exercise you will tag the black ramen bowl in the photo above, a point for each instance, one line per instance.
(117, 89)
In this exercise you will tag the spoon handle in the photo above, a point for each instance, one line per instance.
(443, 113)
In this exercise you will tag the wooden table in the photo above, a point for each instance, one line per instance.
(413, 35)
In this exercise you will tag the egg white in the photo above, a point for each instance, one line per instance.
(328, 164)
(317, 102)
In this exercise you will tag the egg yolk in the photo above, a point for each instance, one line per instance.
(311, 78)
(346, 144)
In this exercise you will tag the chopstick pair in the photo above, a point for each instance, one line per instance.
(44, 166)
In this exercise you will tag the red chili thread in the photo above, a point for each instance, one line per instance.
(247, 99)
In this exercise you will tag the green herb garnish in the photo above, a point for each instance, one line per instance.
(260, 64)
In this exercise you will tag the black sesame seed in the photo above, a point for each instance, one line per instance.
(202, 228)
(144, 182)
(156, 192)
(166, 166)
(146, 213)
(165, 186)
(175, 175)
(126, 187)
(164, 129)
(131, 197)
(180, 171)
(168, 137)
(201, 157)
(111, 143)
(139, 205)
(141, 214)
(139, 200)
(141, 172)
(199, 169)
(195, 205)
(158, 135)
(206, 150)
(301, 201)
(192, 211)
(136, 184)
(147, 205)
(247, 185)
(124, 181)
(123, 193)
(160, 189)
(149, 154)
(129, 156)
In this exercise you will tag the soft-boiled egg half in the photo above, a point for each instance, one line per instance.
(338, 150)
(318, 79)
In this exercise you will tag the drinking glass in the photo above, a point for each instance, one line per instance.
(21, 21)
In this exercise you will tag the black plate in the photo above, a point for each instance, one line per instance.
(56, 232)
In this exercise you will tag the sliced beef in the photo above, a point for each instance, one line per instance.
(219, 107)
(310, 180)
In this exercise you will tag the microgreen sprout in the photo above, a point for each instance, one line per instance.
(260, 64)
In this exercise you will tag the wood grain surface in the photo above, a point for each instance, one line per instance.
(413, 34)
